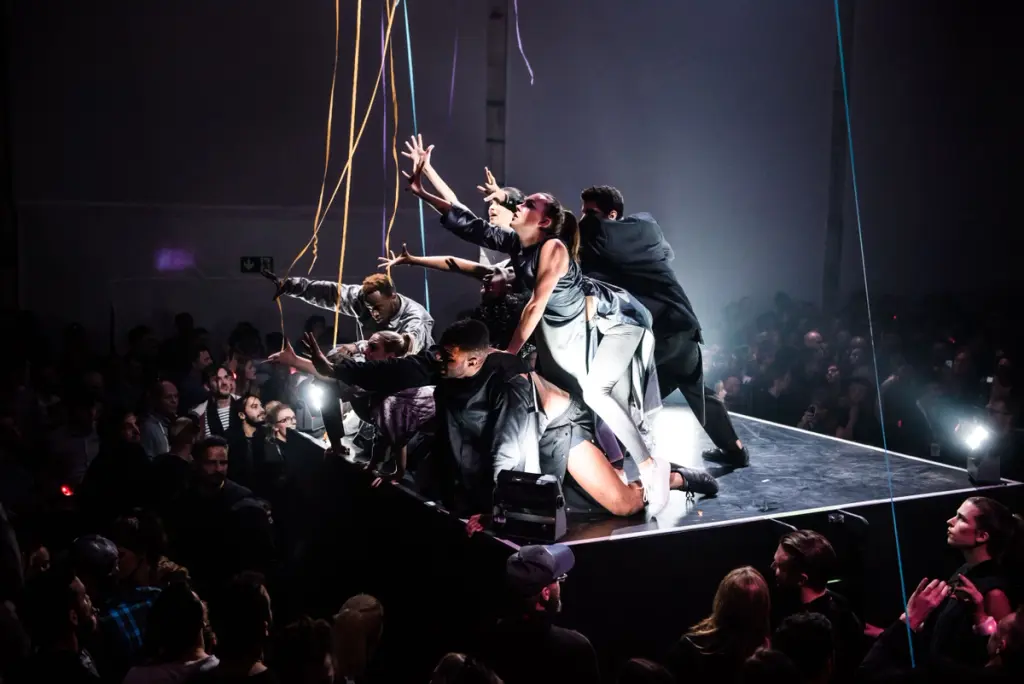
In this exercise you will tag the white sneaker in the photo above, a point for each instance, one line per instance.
(655, 479)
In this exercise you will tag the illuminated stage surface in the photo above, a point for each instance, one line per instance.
(791, 472)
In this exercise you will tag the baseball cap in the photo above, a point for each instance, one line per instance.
(532, 568)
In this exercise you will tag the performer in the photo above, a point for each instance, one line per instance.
(484, 406)
(499, 212)
(374, 304)
(500, 307)
(557, 309)
(631, 252)
(563, 437)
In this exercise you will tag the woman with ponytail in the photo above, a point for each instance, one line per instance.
(541, 240)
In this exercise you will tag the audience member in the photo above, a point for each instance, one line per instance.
(60, 617)
(739, 624)
(806, 638)
(356, 632)
(164, 409)
(302, 653)
(175, 645)
(804, 563)
(535, 574)
(242, 620)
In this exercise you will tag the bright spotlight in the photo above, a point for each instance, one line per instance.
(976, 437)
(314, 395)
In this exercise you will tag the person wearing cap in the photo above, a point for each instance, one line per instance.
(526, 646)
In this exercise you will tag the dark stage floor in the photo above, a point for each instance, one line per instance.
(791, 472)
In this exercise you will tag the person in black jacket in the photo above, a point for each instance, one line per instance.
(632, 253)
(483, 400)
(486, 401)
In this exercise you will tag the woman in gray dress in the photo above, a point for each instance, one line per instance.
(557, 311)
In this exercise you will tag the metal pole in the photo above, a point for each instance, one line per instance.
(830, 285)
(497, 94)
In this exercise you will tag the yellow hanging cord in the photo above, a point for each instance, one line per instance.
(359, 137)
(394, 155)
(327, 157)
(351, 153)
(321, 215)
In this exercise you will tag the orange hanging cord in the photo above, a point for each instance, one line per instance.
(351, 153)
(322, 211)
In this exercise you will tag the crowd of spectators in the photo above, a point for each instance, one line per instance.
(940, 365)
(156, 508)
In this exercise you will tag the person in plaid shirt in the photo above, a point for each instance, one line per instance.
(121, 610)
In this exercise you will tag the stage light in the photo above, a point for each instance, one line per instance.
(314, 395)
(66, 490)
(976, 437)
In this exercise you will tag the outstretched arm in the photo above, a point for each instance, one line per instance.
(451, 264)
(321, 293)
(461, 221)
(554, 263)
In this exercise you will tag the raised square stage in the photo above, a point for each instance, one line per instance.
(791, 472)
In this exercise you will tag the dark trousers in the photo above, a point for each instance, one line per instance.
(681, 367)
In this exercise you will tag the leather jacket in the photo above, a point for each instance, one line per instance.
(486, 423)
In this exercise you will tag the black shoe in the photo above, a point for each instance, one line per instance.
(697, 481)
(737, 458)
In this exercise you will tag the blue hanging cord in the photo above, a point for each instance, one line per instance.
(871, 327)
(416, 131)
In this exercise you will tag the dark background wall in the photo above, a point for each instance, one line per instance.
(199, 126)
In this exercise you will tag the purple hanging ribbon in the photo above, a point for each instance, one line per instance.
(455, 61)
(384, 149)
(519, 39)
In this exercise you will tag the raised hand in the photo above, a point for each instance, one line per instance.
(924, 600)
(415, 178)
(403, 258)
(490, 189)
(285, 357)
(320, 362)
(278, 283)
(415, 151)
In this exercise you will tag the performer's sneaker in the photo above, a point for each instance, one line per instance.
(697, 481)
(655, 479)
(736, 458)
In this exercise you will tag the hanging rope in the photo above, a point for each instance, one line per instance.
(394, 152)
(351, 153)
(871, 327)
(327, 161)
(416, 131)
(359, 137)
(384, 138)
(455, 61)
(519, 39)
(330, 125)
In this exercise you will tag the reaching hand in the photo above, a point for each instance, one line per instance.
(278, 283)
(416, 152)
(285, 357)
(924, 600)
(474, 524)
(403, 258)
(320, 362)
(491, 190)
(415, 177)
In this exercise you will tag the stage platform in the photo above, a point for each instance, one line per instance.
(638, 584)
(791, 472)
